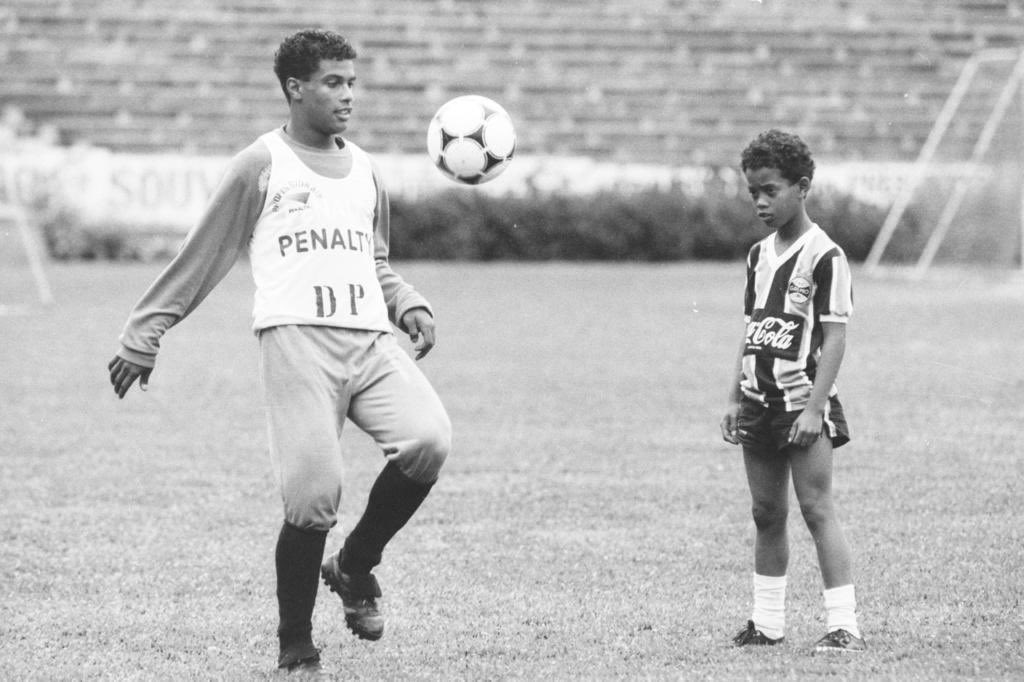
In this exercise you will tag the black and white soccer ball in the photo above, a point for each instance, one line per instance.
(471, 139)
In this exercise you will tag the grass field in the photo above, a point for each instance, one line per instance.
(590, 523)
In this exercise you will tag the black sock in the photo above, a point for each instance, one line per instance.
(394, 498)
(297, 559)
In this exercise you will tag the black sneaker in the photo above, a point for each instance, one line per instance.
(840, 640)
(752, 636)
(301, 657)
(359, 594)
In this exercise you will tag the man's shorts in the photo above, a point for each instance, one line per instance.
(760, 426)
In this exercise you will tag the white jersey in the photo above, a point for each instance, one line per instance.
(788, 296)
(312, 249)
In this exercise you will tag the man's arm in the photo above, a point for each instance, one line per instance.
(407, 309)
(206, 256)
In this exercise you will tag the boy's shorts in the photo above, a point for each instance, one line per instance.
(760, 426)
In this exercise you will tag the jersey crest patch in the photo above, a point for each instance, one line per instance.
(776, 336)
(799, 290)
(295, 196)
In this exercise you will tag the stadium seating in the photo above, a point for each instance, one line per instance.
(674, 81)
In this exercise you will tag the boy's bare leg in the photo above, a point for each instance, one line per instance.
(768, 478)
(812, 481)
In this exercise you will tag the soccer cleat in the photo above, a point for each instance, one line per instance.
(359, 594)
(302, 657)
(750, 635)
(840, 640)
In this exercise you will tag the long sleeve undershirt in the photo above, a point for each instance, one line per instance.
(222, 234)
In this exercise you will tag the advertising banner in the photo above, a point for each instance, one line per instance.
(169, 191)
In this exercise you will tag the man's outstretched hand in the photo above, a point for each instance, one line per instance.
(123, 374)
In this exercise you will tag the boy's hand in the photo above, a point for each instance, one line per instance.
(730, 431)
(807, 428)
(420, 325)
(123, 374)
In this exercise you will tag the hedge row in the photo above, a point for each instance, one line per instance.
(650, 225)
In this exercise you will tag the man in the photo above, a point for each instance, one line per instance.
(310, 208)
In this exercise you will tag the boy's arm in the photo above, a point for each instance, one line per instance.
(728, 425)
(207, 254)
(808, 426)
(834, 301)
(732, 409)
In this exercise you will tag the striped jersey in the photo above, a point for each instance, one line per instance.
(788, 296)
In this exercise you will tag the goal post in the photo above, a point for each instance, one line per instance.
(964, 172)
(24, 256)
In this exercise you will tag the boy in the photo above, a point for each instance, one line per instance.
(309, 207)
(783, 406)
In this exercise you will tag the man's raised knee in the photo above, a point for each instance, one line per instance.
(434, 451)
(426, 453)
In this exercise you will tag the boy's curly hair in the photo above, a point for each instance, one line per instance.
(777, 149)
(299, 54)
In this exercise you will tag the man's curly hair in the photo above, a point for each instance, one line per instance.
(299, 55)
(777, 149)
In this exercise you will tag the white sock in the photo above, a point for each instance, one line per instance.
(770, 605)
(841, 609)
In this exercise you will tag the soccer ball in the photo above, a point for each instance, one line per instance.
(471, 139)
